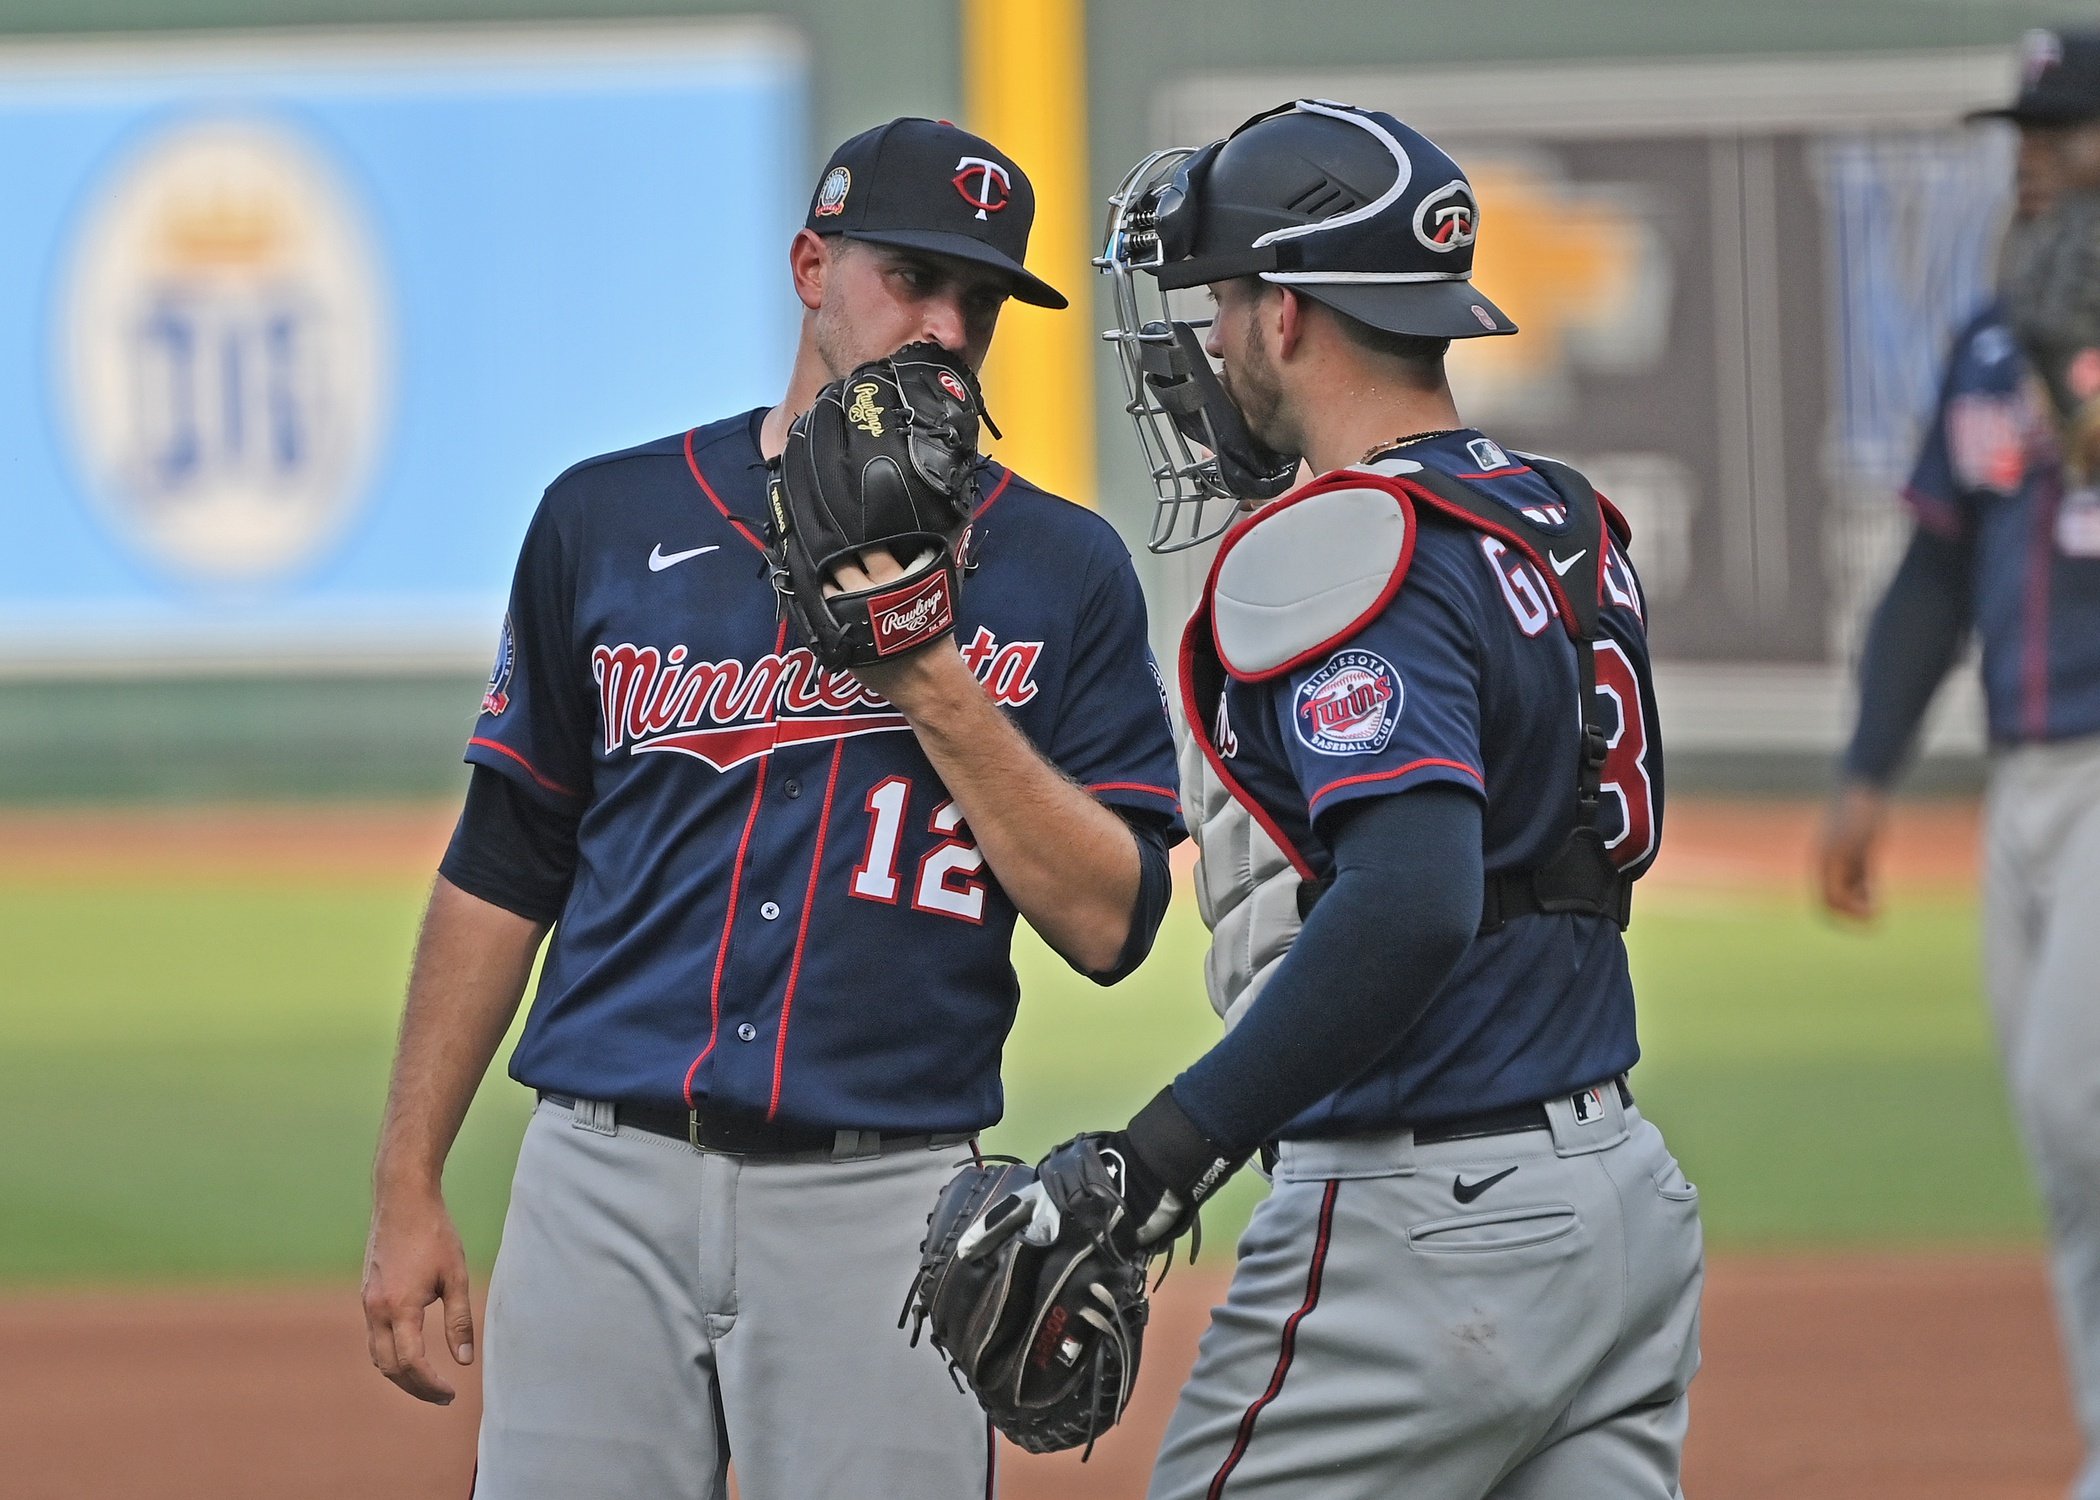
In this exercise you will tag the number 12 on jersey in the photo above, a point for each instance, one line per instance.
(948, 881)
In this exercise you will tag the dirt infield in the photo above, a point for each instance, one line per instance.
(1829, 1378)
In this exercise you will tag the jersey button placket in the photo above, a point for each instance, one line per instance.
(747, 1032)
(770, 911)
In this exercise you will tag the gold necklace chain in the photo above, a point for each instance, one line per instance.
(1378, 449)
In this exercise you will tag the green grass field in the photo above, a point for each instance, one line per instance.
(193, 1074)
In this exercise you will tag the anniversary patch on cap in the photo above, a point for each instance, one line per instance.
(831, 193)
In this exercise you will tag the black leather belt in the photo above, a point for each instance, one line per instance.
(1518, 1117)
(734, 1134)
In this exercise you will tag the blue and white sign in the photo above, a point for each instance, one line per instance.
(294, 330)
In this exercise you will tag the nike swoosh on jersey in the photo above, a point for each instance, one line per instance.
(1466, 1192)
(1561, 565)
(660, 559)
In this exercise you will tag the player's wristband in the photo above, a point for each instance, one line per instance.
(1189, 1164)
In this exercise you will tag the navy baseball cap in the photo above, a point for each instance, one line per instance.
(1346, 205)
(929, 185)
(2059, 80)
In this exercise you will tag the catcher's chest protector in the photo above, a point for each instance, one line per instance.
(1302, 578)
(1246, 888)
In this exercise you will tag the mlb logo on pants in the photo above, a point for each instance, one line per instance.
(1589, 1106)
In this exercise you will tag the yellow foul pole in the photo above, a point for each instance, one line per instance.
(1024, 87)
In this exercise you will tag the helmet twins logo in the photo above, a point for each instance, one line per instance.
(983, 184)
(1351, 705)
(1448, 220)
(729, 712)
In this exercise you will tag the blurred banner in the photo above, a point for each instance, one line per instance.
(294, 328)
(1735, 281)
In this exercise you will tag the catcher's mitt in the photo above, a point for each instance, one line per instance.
(885, 459)
(1046, 1335)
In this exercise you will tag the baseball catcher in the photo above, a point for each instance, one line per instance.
(1032, 1283)
(885, 460)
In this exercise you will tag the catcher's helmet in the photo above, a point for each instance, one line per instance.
(1345, 205)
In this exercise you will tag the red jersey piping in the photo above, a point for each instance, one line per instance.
(1413, 765)
(708, 490)
(736, 885)
(1135, 786)
(998, 489)
(502, 749)
(809, 904)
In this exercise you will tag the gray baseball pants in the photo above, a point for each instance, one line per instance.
(1383, 1338)
(2041, 938)
(655, 1311)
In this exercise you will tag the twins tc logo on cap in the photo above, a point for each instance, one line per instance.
(983, 184)
(831, 193)
(1351, 705)
(1447, 219)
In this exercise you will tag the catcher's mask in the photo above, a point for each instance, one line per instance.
(1342, 204)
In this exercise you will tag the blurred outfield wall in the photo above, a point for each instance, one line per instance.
(544, 230)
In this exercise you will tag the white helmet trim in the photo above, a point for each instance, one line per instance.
(1361, 278)
(1377, 205)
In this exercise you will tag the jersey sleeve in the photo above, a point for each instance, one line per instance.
(1113, 736)
(1394, 707)
(1974, 444)
(535, 714)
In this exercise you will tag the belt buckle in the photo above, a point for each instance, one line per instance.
(692, 1134)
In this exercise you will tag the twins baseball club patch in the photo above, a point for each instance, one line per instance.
(1351, 705)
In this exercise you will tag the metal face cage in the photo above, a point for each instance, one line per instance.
(1169, 380)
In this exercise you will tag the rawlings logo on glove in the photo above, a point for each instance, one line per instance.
(883, 461)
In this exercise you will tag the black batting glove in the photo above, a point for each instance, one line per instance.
(1160, 1166)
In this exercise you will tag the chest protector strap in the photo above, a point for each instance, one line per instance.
(1580, 877)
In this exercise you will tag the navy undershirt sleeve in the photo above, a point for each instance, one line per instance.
(1912, 642)
(1403, 908)
(1155, 890)
(511, 849)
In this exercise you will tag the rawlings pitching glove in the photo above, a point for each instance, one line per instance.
(885, 460)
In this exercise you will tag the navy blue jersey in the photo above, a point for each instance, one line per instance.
(1468, 677)
(1990, 476)
(777, 907)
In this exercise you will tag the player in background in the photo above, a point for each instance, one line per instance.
(781, 900)
(1423, 678)
(2005, 543)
